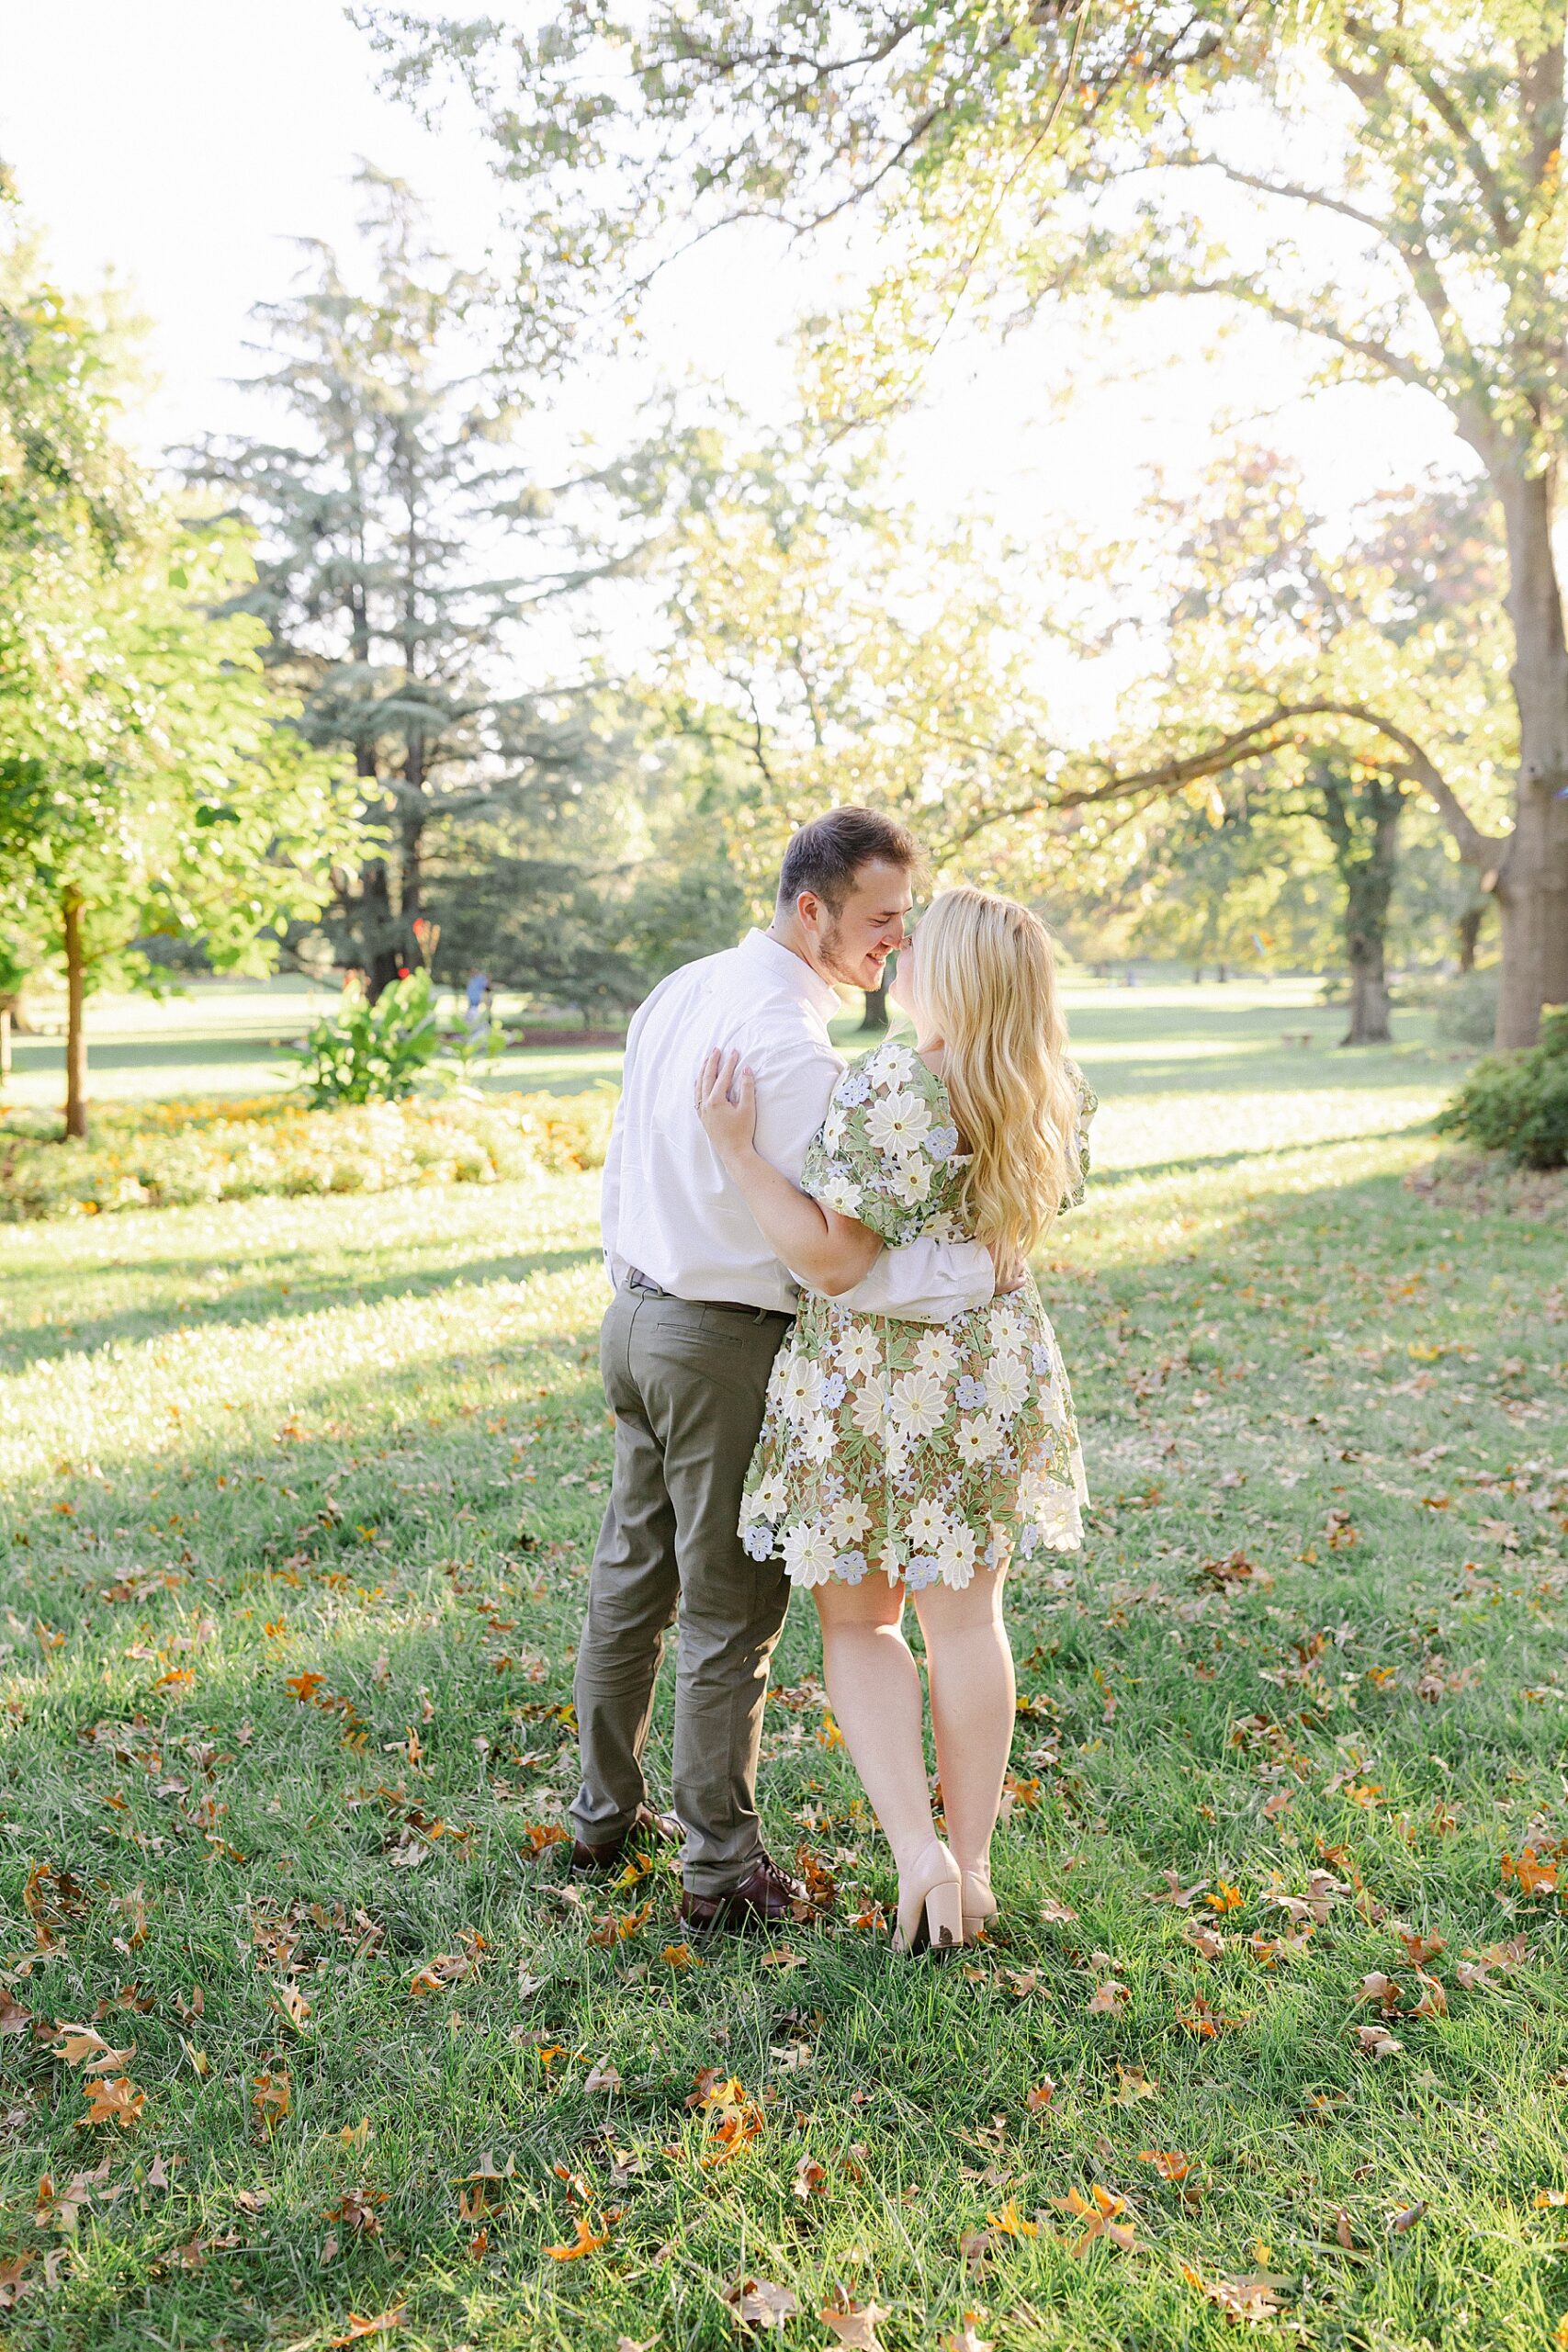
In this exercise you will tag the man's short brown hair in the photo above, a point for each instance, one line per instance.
(825, 856)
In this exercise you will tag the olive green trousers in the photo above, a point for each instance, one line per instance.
(687, 1385)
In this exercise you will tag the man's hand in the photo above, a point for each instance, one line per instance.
(1011, 1273)
(726, 1104)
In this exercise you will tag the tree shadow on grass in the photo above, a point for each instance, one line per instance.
(289, 1296)
(1210, 1162)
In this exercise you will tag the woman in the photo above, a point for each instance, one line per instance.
(901, 1458)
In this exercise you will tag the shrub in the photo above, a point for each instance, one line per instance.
(171, 1155)
(1465, 1008)
(373, 1053)
(1518, 1103)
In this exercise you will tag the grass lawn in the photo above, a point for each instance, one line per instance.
(303, 2030)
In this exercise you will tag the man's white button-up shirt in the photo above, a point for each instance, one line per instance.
(669, 1209)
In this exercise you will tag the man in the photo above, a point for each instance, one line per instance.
(700, 1307)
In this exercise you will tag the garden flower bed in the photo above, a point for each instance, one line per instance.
(162, 1155)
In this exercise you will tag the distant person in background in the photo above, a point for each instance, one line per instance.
(702, 1305)
(477, 1000)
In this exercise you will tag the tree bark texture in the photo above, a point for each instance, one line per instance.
(76, 1021)
(875, 1010)
(1469, 928)
(1531, 883)
(1363, 827)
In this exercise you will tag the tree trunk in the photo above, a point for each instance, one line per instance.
(875, 1010)
(1363, 827)
(1469, 935)
(1369, 992)
(1532, 877)
(75, 1021)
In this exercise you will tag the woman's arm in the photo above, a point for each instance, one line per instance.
(830, 1252)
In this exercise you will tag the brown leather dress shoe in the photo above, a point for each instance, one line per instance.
(648, 1828)
(768, 1897)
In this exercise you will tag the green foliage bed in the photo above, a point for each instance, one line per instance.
(180, 1154)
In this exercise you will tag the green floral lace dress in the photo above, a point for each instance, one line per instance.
(921, 1450)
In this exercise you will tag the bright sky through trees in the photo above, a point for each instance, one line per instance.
(181, 143)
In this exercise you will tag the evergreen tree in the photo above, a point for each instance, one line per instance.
(384, 524)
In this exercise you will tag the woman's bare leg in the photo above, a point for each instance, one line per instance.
(874, 1686)
(969, 1664)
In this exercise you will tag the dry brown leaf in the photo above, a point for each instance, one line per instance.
(1133, 2084)
(114, 2101)
(1376, 2043)
(1040, 2096)
(1174, 1892)
(757, 2302)
(587, 2240)
(13, 2282)
(358, 2327)
(1103, 2211)
(1251, 2299)
(853, 2325)
(810, 2179)
(272, 2095)
(605, 2076)
(1204, 1939)
(966, 2340)
(1169, 2162)
(1109, 1998)
(1408, 2218)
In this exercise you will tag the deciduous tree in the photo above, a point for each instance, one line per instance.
(1159, 155)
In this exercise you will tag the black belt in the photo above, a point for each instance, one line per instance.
(648, 1288)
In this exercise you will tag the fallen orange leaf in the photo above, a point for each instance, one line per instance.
(587, 2241)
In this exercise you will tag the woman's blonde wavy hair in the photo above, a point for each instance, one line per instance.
(986, 980)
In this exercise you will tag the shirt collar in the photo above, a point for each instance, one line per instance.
(790, 971)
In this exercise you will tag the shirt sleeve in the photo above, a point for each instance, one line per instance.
(926, 1282)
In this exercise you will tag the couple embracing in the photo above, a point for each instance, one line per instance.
(828, 1365)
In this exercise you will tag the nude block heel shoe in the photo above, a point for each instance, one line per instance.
(931, 1904)
(979, 1906)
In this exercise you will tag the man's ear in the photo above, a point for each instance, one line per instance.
(808, 910)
